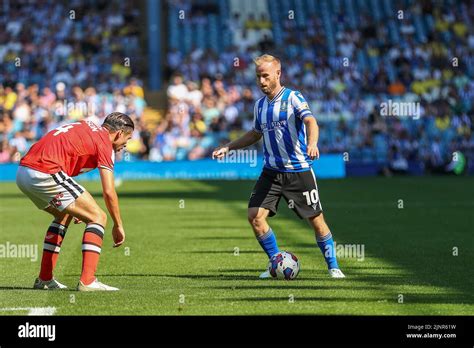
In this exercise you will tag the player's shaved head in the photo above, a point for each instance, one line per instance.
(268, 72)
(117, 121)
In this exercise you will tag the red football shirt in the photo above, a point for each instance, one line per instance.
(74, 148)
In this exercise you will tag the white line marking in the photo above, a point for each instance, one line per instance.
(31, 310)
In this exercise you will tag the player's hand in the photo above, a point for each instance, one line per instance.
(313, 151)
(118, 235)
(220, 152)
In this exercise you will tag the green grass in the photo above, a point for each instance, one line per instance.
(189, 251)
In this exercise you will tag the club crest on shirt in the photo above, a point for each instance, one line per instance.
(284, 105)
(304, 106)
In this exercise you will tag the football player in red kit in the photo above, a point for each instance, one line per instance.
(45, 176)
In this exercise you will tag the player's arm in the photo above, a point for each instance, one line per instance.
(303, 112)
(249, 138)
(312, 133)
(112, 204)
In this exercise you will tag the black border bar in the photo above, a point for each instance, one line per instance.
(225, 330)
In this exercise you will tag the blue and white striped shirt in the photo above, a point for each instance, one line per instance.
(280, 121)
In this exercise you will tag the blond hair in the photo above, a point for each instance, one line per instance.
(266, 58)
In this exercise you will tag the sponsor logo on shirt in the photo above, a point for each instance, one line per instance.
(275, 124)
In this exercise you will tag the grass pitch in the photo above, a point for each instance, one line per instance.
(190, 251)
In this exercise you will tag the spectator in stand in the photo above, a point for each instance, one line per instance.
(384, 61)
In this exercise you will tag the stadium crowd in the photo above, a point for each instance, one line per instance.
(211, 95)
(79, 71)
(65, 63)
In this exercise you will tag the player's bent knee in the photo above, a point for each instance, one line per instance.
(252, 214)
(100, 217)
(257, 217)
(97, 216)
(258, 225)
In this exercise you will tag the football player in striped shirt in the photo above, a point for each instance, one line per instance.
(290, 143)
(45, 176)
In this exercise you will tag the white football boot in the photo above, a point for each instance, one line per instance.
(52, 284)
(95, 286)
(265, 275)
(336, 273)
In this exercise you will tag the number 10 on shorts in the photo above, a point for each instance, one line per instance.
(312, 196)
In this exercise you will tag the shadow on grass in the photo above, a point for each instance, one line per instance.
(237, 270)
(398, 236)
(222, 252)
(278, 286)
(221, 238)
(231, 251)
(408, 298)
(349, 275)
(363, 281)
(221, 195)
(304, 245)
(196, 276)
(4, 288)
(369, 267)
(16, 288)
(408, 260)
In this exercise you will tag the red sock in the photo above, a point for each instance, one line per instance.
(91, 247)
(51, 248)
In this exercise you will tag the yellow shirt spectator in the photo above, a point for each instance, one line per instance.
(460, 29)
(10, 100)
(121, 70)
(442, 123)
(199, 125)
(441, 25)
(421, 87)
(134, 90)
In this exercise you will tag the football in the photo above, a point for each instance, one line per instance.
(284, 265)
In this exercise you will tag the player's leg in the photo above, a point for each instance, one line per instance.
(301, 192)
(44, 192)
(257, 218)
(325, 243)
(51, 249)
(262, 204)
(86, 209)
(67, 197)
(74, 200)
